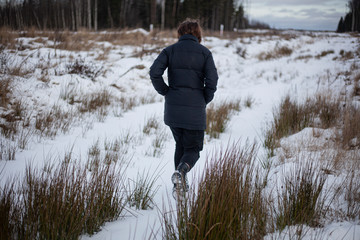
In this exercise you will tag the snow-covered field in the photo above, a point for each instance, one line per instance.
(121, 71)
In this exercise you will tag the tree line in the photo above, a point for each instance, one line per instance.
(351, 21)
(103, 14)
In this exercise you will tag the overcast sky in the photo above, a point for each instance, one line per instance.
(297, 14)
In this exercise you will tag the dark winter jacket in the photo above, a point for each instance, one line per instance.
(192, 79)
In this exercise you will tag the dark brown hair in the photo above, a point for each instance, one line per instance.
(190, 26)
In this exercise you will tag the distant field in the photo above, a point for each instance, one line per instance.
(81, 131)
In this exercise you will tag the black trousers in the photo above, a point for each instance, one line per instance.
(189, 143)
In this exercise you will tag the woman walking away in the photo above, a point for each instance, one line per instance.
(192, 80)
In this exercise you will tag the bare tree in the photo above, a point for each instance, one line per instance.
(72, 10)
(111, 21)
(78, 14)
(162, 14)
(153, 12)
(89, 13)
(96, 15)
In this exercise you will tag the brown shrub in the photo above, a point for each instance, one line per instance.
(50, 123)
(346, 55)
(94, 101)
(217, 117)
(304, 57)
(350, 134)
(8, 37)
(291, 117)
(352, 195)
(328, 110)
(84, 69)
(278, 52)
(324, 53)
(5, 91)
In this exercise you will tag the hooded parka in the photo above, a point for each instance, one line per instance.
(192, 81)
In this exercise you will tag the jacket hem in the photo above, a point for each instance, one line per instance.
(185, 126)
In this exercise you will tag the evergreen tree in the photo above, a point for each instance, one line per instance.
(341, 27)
(352, 18)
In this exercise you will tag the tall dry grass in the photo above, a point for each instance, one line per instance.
(346, 55)
(301, 199)
(61, 202)
(85, 40)
(50, 123)
(218, 116)
(278, 52)
(142, 190)
(8, 37)
(5, 91)
(151, 125)
(350, 131)
(291, 116)
(229, 202)
(352, 194)
(92, 102)
(84, 69)
(13, 110)
(324, 53)
(231, 199)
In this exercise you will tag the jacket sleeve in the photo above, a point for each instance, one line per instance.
(156, 71)
(211, 79)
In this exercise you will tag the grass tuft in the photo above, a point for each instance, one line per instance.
(9, 210)
(278, 52)
(217, 117)
(128, 103)
(81, 68)
(8, 150)
(94, 101)
(292, 117)
(142, 191)
(249, 101)
(115, 150)
(300, 200)
(352, 195)
(93, 160)
(346, 55)
(5, 91)
(151, 124)
(49, 123)
(157, 144)
(350, 134)
(324, 53)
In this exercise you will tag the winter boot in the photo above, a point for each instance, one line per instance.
(180, 181)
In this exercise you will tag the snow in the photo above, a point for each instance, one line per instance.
(334, 231)
(139, 30)
(266, 82)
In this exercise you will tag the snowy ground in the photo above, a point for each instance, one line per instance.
(241, 76)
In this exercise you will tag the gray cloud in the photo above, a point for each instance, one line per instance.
(313, 13)
(297, 2)
(299, 14)
(315, 23)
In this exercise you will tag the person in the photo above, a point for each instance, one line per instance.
(192, 82)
